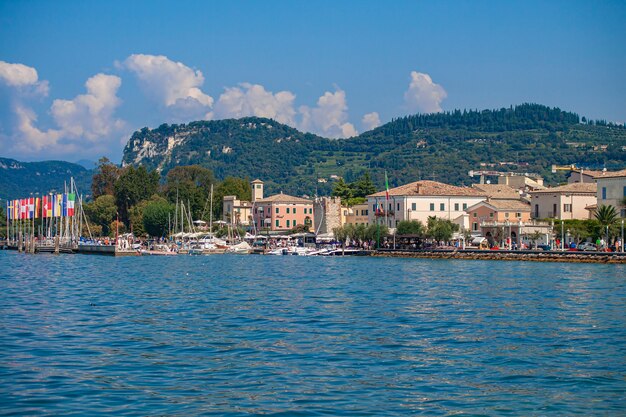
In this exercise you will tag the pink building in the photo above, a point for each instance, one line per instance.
(280, 212)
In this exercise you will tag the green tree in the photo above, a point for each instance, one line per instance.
(341, 189)
(607, 217)
(101, 212)
(364, 186)
(156, 215)
(191, 185)
(230, 186)
(441, 229)
(103, 181)
(133, 186)
(413, 227)
(299, 228)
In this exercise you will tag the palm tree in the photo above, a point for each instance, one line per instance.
(606, 216)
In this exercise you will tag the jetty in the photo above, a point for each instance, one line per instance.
(506, 255)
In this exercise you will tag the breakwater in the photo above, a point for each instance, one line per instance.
(501, 255)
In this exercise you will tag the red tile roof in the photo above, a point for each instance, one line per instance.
(430, 188)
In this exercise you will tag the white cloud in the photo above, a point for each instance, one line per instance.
(329, 118)
(22, 76)
(370, 121)
(90, 115)
(29, 138)
(84, 124)
(254, 100)
(171, 83)
(423, 94)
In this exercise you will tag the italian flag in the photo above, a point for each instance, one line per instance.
(71, 198)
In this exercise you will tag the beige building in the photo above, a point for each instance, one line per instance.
(420, 200)
(498, 212)
(611, 191)
(565, 202)
(237, 212)
(357, 214)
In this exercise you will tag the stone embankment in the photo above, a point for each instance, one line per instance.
(501, 255)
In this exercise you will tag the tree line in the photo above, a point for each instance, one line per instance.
(136, 199)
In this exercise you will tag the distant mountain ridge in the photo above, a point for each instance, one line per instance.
(442, 146)
(21, 179)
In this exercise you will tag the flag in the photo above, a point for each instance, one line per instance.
(23, 208)
(31, 208)
(71, 198)
(37, 207)
(56, 207)
(48, 205)
(9, 209)
(386, 186)
(16, 209)
(64, 204)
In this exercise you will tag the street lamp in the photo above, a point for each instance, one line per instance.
(622, 235)
(562, 236)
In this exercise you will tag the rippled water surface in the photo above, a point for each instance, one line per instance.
(238, 335)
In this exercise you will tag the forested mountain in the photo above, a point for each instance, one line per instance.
(21, 179)
(442, 146)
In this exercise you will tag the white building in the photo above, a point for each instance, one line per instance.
(612, 190)
(564, 203)
(420, 200)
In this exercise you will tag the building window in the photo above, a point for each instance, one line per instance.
(518, 215)
(553, 210)
(456, 206)
(536, 210)
(294, 210)
(442, 207)
(414, 206)
(277, 210)
(475, 214)
(397, 221)
(366, 212)
(398, 208)
(625, 191)
(374, 208)
(623, 213)
(491, 214)
(287, 221)
(604, 193)
(432, 206)
(475, 226)
(277, 223)
(567, 208)
(464, 206)
(258, 186)
(506, 215)
(287, 210)
(389, 206)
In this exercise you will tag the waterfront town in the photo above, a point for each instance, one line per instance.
(515, 212)
(503, 211)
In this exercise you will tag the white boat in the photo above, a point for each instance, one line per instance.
(158, 250)
(242, 248)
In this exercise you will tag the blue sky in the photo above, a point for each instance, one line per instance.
(77, 78)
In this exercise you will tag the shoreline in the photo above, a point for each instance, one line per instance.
(503, 255)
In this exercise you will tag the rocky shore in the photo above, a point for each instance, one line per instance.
(534, 256)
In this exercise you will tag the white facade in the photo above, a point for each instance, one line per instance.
(611, 192)
(399, 208)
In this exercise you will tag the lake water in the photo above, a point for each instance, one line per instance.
(241, 335)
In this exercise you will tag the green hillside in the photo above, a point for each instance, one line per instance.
(23, 179)
(442, 146)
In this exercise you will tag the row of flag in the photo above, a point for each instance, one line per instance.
(54, 205)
